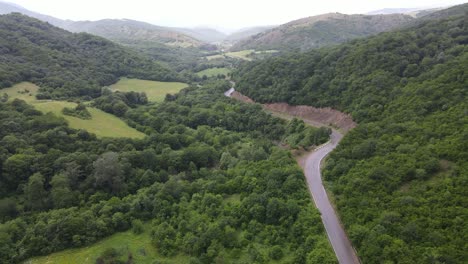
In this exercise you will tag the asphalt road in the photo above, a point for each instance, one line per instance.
(344, 251)
(336, 234)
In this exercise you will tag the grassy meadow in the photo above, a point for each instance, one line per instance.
(241, 54)
(125, 242)
(156, 91)
(213, 72)
(102, 124)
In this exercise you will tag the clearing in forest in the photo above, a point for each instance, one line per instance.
(101, 123)
(156, 91)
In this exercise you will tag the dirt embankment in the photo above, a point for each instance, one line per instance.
(322, 116)
(315, 116)
(238, 96)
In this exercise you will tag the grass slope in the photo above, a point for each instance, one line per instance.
(213, 72)
(156, 91)
(241, 54)
(141, 248)
(102, 124)
(125, 242)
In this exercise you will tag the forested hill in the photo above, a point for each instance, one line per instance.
(66, 64)
(318, 31)
(400, 178)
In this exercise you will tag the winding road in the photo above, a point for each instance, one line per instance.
(311, 165)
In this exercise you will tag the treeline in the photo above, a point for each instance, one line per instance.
(118, 103)
(213, 184)
(399, 178)
(64, 64)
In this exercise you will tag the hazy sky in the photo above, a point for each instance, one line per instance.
(217, 13)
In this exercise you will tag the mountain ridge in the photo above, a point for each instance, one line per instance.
(321, 30)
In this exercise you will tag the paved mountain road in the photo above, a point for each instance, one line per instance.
(310, 163)
(336, 234)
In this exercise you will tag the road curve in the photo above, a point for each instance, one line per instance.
(344, 251)
(335, 232)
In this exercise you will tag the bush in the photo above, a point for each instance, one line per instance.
(137, 227)
(276, 253)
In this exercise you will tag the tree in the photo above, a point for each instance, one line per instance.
(108, 173)
(35, 193)
(163, 237)
(60, 193)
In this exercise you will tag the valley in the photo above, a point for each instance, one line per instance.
(124, 141)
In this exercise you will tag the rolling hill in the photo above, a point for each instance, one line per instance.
(120, 30)
(126, 31)
(208, 35)
(65, 64)
(322, 30)
(245, 33)
(398, 179)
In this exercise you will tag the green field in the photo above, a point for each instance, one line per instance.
(156, 91)
(102, 124)
(243, 54)
(214, 57)
(125, 242)
(240, 54)
(213, 72)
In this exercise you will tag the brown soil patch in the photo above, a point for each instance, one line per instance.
(312, 115)
(322, 116)
(238, 96)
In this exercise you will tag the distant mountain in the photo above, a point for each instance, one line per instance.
(6, 8)
(120, 30)
(208, 35)
(128, 31)
(414, 12)
(388, 11)
(322, 30)
(246, 32)
(65, 64)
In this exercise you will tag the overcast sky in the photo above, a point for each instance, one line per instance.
(217, 13)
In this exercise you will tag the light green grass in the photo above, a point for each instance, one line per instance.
(156, 91)
(214, 57)
(213, 72)
(266, 51)
(127, 242)
(139, 245)
(101, 123)
(241, 54)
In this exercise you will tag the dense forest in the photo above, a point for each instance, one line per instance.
(208, 177)
(400, 178)
(64, 64)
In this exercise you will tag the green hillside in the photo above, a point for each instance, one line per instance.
(399, 179)
(322, 30)
(208, 179)
(100, 123)
(64, 64)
